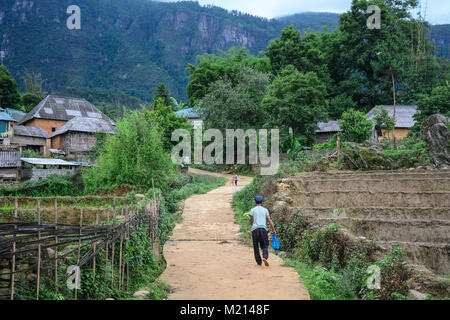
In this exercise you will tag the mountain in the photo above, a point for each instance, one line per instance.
(440, 35)
(314, 21)
(124, 49)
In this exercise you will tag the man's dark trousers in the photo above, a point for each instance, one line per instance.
(260, 239)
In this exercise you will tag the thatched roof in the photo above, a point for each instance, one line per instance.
(27, 131)
(404, 115)
(65, 109)
(87, 125)
(325, 127)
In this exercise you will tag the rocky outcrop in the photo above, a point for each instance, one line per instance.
(436, 132)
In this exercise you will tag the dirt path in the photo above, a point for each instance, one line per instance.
(206, 260)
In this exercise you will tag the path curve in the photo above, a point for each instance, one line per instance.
(207, 261)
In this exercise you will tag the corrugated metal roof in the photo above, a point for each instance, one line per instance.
(89, 125)
(27, 131)
(5, 116)
(188, 112)
(330, 126)
(17, 115)
(404, 115)
(48, 161)
(64, 108)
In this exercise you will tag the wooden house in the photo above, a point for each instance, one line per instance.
(78, 136)
(9, 165)
(326, 130)
(30, 138)
(404, 121)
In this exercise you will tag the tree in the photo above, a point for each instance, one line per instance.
(162, 92)
(134, 155)
(355, 126)
(436, 103)
(167, 121)
(304, 54)
(9, 94)
(296, 100)
(378, 55)
(212, 68)
(383, 121)
(235, 103)
(29, 101)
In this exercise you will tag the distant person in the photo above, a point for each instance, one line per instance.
(232, 181)
(235, 179)
(259, 217)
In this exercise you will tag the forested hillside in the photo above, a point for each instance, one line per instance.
(126, 48)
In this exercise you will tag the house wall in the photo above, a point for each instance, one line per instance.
(46, 124)
(324, 137)
(56, 142)
(9, 173)
(24, 141)
(400, 133)
(77, 145)
(4, 126)
(37, 174)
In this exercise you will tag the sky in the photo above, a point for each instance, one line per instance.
(438, 11)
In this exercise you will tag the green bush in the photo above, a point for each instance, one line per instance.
(394, 276)
(134, 156)
(54, 185)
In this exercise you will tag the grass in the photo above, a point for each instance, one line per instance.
(322, 284)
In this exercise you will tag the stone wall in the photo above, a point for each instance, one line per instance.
(77, 145)
(37, 174)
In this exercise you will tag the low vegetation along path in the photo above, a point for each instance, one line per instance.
(207, 261)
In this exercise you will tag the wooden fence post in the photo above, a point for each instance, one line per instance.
(56, 242)
(79, 251)
(95, 246)
(113, 243)
(13, 264)
(39, 248)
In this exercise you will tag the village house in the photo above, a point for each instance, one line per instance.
(78, 136)
(41, 168)
(5, 122)
(16, 115)
(326, 131)
(404, 121)
(9, 165)
(54, 116)
(55, 111)
(192, 116)
(30, 138)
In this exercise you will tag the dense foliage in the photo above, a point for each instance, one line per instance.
(135, 155)
(355, 126)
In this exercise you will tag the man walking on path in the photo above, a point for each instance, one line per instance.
(235, 179)
(259, 217)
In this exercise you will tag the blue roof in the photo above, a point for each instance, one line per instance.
(5, 117)
(189, 112)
